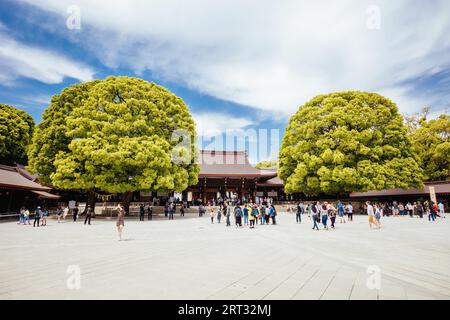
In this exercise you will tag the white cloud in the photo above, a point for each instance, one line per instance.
(269, 55)
(21, 60)
(212, 124)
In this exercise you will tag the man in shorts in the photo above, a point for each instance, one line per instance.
(371, 214)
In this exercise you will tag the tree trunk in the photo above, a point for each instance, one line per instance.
(90, 201)
(126, 199)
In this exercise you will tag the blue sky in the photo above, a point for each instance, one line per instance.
(237, 64)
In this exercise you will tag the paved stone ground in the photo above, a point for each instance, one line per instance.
(189, 258)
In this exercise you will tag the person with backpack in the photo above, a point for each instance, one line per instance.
(253, 216)
(238, 215)
(37, 216)
(267, 214)
(273, 214)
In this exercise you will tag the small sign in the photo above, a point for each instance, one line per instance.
(72, 204)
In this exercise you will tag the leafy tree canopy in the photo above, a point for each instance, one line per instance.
(16, 130)
(115, 135)
(432, 144)
(270, 164)
(347, 141)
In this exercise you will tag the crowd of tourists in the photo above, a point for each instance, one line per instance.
(249, 214)
(322, 214)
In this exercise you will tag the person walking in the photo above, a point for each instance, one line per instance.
(349, 211)
(410, 209)
(401, 209)
(340, 211)
(149, 212)
(431, 212)
(273, 214)
(120, 223)
(324, 215)
(441, 209)
(253, 216)
(227, 213)
(395, 209)
(315, 214)
(219, 214)
(141, 212)
(371, 214)
(332, 213)
(89, 213)
(75, 213)
(59, 212)
(21, 216)
(166, 210)
(212, 214)
(300, 211)
(65, 212)
(262, 213)
(182, 210)
(419, 209)
(26, 217)
(172, 209)
(200, 210)
(246, 213)
(267, 214)
(378, 214)
(37, 216)
(238, 215)
(44, 217)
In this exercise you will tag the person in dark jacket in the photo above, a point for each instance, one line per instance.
(89, 213)
(37, 216)
(141, 212)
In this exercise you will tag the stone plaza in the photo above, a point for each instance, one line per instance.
(190, 258)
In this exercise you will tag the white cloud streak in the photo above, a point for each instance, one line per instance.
(21, 60)
(270, 55)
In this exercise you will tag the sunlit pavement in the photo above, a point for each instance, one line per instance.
(189, 258)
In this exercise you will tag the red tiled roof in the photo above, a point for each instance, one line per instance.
(11, 178)
(276, 181)
(442, 187)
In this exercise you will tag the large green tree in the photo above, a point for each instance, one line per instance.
(16, 130)
(347, 141)
(431, 141)
(116, 135)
